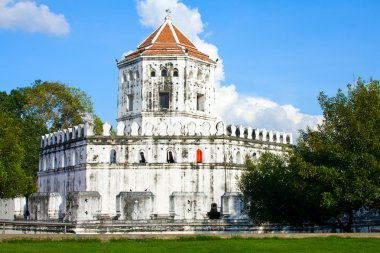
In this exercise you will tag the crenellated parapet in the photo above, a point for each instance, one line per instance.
(257, 134)
(164, 130)
(68, 135)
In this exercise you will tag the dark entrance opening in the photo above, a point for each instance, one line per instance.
(214, 214)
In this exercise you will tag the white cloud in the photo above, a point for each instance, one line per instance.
(231, 106)
(29, 16)
(260, 112)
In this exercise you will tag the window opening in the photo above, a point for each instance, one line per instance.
(170, 157)
(152, 73)
(142, 157)
(164, 73)
(113, 156)
(130, 102)
(164, 100)
(175, 73)
(199, 75)
(199, 156)
(238, 158)
(130, 76)
(200, 102)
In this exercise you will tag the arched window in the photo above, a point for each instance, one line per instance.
(63, 163)
(175, 73)
(137, 75)
(142, 157)
(191, 74)
(55, 165)
(164, 73)
(124, 77)
(200, 102)
(44, 164)
(199, 156)
(77, 157)
(170, 157)
(238, 158)
(113, 156)
(199, 75)
(130, 76)
(152, 73)
(73, 157)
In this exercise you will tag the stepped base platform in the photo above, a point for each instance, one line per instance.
(222, 226)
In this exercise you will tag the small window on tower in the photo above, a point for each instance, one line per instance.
(164, 100)
(142, 157)
(152, 73)
(207, 78)
(130, 103)
(200, 102)
(175, 73)
(130, 76)
(199, 75)
(170, 157)
(164, 73)
(113, 156)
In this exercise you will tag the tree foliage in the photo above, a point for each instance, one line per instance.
(13, 179)
(26, 114)
(331, 172)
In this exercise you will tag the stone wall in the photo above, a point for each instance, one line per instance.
(13, 208)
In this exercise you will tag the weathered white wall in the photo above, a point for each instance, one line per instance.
(12, 208)
(110, 165)
(45, 206)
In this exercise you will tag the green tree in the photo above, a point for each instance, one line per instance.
(36, 110)
(13, 179)
(56, 105)
(331, 172)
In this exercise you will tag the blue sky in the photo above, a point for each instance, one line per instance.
(280, 52)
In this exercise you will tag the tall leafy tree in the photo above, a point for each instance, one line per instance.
(332, 171)
(56, 105)
(36, 110)
(13, 179)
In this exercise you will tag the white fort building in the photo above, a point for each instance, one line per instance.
(170, 159)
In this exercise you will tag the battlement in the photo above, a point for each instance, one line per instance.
(177, 129)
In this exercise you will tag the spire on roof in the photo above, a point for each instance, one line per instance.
(168, 12)
(167, 40)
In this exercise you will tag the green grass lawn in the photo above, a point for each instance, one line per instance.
(195, 244)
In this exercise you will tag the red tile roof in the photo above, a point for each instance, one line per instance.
(167, 40)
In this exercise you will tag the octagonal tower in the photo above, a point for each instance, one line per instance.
(167, 79)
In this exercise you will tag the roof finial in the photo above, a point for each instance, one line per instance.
(168, 12)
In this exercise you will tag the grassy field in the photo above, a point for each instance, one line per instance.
(195, 244)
